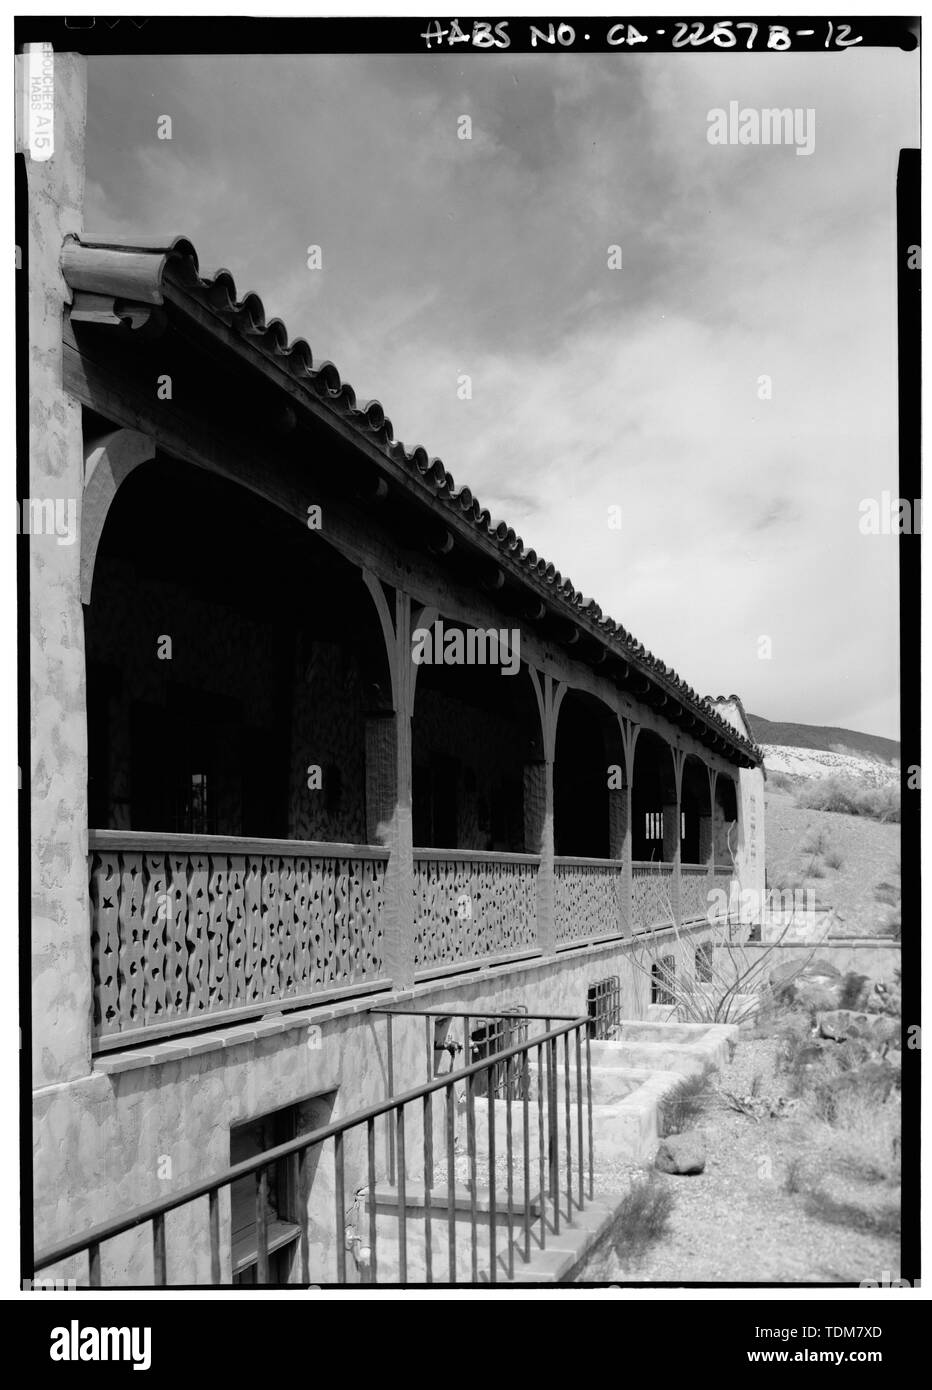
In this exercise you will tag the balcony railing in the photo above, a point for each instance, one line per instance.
(192, 931)
(588, 899)
(695, 882)
(420, 1223)
(473, 905)
(652, 894)
(187, 930)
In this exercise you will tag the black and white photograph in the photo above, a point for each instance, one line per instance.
(468, 533)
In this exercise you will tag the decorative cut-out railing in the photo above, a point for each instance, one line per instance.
(473, 905)
(651, 894)
(695, 883)
(588, 897)
(189, 929)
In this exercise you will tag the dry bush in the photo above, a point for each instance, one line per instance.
(643, 1216)
(686, 1102)
(863, 1136)
(795, 1179)
(833, 859)
(816, 841)
(824, 1207)
(732, 973)
(853, 990)
(851, 798)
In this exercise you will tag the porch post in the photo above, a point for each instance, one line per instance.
(539, 817)
(629, 737)
(673, 836)
(388, 787)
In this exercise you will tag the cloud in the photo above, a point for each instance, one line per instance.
(591, 387)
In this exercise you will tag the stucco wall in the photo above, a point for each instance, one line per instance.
(101, 1143)
(876, 959)
(751, 857)
(61, 967)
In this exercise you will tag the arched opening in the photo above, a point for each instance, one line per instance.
(654, 830)
(475, 734)
(725, 820)
(587, 805)
(695, 812)
(232, 659)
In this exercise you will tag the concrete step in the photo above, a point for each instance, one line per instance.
(554, 1255)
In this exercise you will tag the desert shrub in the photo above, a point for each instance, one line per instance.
(794, 1178)
(801, 1061)
(816, 841)
(663, 954)
(833, 860)
(686, 1102)
(780, 780)
(851, 798)
(643, 1216)
(852, 990)
(816, 869)
(782, 878)
(887, 893)
(824, 1207)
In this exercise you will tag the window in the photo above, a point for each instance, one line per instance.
(292, 1196)
(194, 813)
(246, 1141)
(653, 825)
(491, 1035)
(662, 977)
(704, 964)
(603, 1005)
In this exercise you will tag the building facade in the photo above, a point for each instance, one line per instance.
(311, 734)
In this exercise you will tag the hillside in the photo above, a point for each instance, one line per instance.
(772, 731)
(799, 763)
(852, 863)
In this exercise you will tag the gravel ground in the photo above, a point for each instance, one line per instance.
(736, 1224)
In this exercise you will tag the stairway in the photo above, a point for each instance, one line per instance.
(562, 1253)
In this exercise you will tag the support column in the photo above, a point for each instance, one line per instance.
(549, 695)
(706, 842)
(629, 737)
(673, 836)
(388, 786)
(54, 772)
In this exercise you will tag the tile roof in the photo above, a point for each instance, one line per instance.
(148, 270)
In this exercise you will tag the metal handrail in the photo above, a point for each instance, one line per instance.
(155, 1212)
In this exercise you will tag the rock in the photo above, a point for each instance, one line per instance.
(681, 1153)
(886, 999)
(815, 984)
(817, 994)
(839, 1024)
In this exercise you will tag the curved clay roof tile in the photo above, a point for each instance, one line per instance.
(137, 268)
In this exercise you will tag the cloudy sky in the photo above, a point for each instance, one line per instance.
(592, 388)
